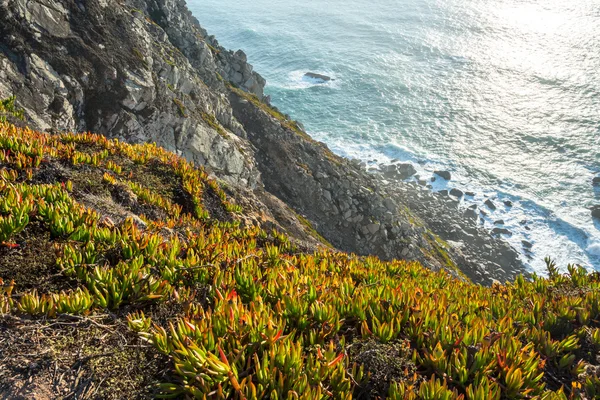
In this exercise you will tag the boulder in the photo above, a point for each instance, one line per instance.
(313, 75)
(470, 194)
(499, 222)
(398, 171)
(490, 204)
(470, 213)
(501, 231)
(596, 180)
(508, 203)
(444, 174)
(526, 244)
(406, 170)
(456, 193)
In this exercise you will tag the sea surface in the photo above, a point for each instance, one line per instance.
(505, 94)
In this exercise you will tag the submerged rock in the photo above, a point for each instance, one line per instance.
(314, 75)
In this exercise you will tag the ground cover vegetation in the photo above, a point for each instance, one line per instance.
(125, 269)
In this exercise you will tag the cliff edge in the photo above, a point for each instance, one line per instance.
(146, 71)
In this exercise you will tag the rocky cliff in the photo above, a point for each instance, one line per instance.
(146, 71)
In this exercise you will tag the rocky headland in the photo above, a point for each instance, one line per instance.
(146, 71)
(198, 243)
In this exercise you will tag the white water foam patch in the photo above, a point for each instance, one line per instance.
(594, 247)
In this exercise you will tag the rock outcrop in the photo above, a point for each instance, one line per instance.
(146, 71)
(313, 75)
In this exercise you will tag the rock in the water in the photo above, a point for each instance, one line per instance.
(508, 203)
(444, 174)
(456, 193)
(398, 171)
(596, 180)
(499, 222)
(471, 194)
(313, 75)
(501, 231)
(526, 244)
(490, 204)
(596, 212)
(406, 170)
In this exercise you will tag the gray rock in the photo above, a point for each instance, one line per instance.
(508, 203)
(596, 180)
(526, 244)
(373, 228)
(501, 231)
(499, 222)
(470, 213)
(444, 174)
(490, 204)
(406, 170)
(398, 171)
(470, 194)
(456, 193)
(390, 204)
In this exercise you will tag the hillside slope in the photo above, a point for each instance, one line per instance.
(145, 71)
(129, 273)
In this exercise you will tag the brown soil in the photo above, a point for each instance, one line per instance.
(214, 206)
(33, 263)
(386, 363)
(75, 358)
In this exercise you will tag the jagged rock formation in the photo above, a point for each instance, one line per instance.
(145, 71)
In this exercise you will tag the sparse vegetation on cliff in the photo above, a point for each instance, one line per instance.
(129, 241)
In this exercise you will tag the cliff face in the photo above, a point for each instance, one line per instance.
(145, 71)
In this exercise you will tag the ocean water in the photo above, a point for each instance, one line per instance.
(505, 94)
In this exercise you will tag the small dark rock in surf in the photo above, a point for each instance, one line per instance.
(456, 193)
(501, 231)
(313, 75)
(444, 174)
(490, 204)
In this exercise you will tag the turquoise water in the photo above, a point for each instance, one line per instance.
(503, 93)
